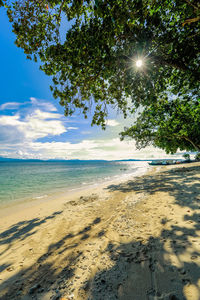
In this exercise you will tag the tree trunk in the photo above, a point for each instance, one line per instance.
(191, 142)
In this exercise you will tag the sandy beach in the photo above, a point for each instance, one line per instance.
(132, 240)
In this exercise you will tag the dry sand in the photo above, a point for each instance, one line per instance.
(129, 241)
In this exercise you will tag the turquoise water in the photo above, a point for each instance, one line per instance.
(31, 180)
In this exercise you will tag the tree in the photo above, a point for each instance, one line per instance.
(186, 156)
(169, 125)
(197, 156)
(95, 63)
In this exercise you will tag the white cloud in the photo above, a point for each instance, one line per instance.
(34, 102)
(86, 132)
(72, 128)
(112, 123)
(113, 149)
(19, 136)
(9, 105)
(46, 115)
(9, 120)
(43, 104)
(35, 125)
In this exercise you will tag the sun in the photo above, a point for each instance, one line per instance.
(139, 63)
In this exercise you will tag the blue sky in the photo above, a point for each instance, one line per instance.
(32, 124)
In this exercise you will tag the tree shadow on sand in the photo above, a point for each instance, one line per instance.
(51, 272)
(22, 230)
(151, 270)
(181, 183)
(156, 269)
(162, 267)
(141, 270)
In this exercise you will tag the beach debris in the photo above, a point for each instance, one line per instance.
(91, 198)
(194, 257)
(73, 203)
(70, 297)
(83, 199)
(34, 288)
(182, 271)
(57, 296)
(173, 297)
(10, 269)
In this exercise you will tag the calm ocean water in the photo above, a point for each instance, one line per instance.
(33, 180)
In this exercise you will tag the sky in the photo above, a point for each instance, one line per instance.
(33, 125)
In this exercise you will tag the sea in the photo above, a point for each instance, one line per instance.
(29, 180)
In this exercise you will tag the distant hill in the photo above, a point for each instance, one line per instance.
(6, 159)
(133, 160)
(17, 159)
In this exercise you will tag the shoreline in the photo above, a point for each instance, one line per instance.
(18, 204)
(127, 240)
(70, 183)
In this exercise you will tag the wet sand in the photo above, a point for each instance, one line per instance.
(138, 239)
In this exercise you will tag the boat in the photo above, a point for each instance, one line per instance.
(156, 163)
(164, 162)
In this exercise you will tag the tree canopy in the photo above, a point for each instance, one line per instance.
(168, 125)
(94, 64)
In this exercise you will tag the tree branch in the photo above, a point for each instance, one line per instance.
(60, 10)
(185, 138)
(176, 64)
(189, 3)
(189, 140)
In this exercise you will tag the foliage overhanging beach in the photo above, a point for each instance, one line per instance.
(136, 239)
(92, 49)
